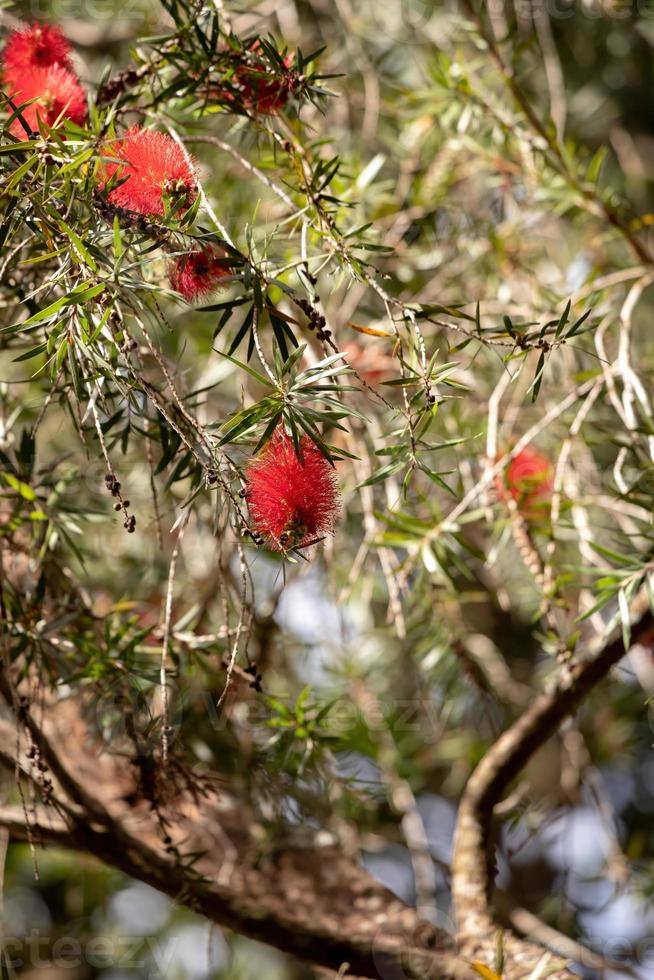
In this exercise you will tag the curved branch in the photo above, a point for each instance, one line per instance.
(276, 909)
(471, 879)
(75, 791)
(313, 902)
(44, 828)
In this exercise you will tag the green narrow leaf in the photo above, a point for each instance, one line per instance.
(382, 474)
(536, 383)
(563, 320)
(23, 489)
(242, 330)
(18, 174)
(246, 367)
(625, 616)
(268, 431)
(596, 163)
(79, 250)
(34, 352)
(79, 295)
(575, 326)
(118, 242)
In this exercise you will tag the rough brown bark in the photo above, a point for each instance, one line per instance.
(471, 880)
(312, 901)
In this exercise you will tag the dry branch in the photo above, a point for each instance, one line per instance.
(471, 880)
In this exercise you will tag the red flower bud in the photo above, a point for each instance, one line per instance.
(292, 500)
(371, 362)
(529, 478)
(200, 272)
(153, 165)
(257, 85)
(261, 91)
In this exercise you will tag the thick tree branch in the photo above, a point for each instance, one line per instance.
(76, 792)
(527, 924)
(45, 828)
(313, 902)
(471, 880)
(316, 905)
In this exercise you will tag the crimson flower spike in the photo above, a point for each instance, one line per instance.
(150, 165)
(34, 46)
(58, 96)
(262, 93)
(292, 499)
(200, 272)
(529, 479)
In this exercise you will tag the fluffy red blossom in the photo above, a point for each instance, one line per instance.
(529, 479)
(292, 501)
(260, 90)
(261, 93)
(153, 164)
(199, 272)
(371, 362)
(59, 96)
(34, 46)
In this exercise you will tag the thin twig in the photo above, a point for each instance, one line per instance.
(165, 643)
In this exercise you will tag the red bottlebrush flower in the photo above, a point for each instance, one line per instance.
(262, 94)
(59, 96)
(371, 363)
(34, 46)
(260, 90)
(291, 500)
(529, 478)
(199, 272)
(153, 164)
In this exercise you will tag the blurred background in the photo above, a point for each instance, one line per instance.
(427, 167)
